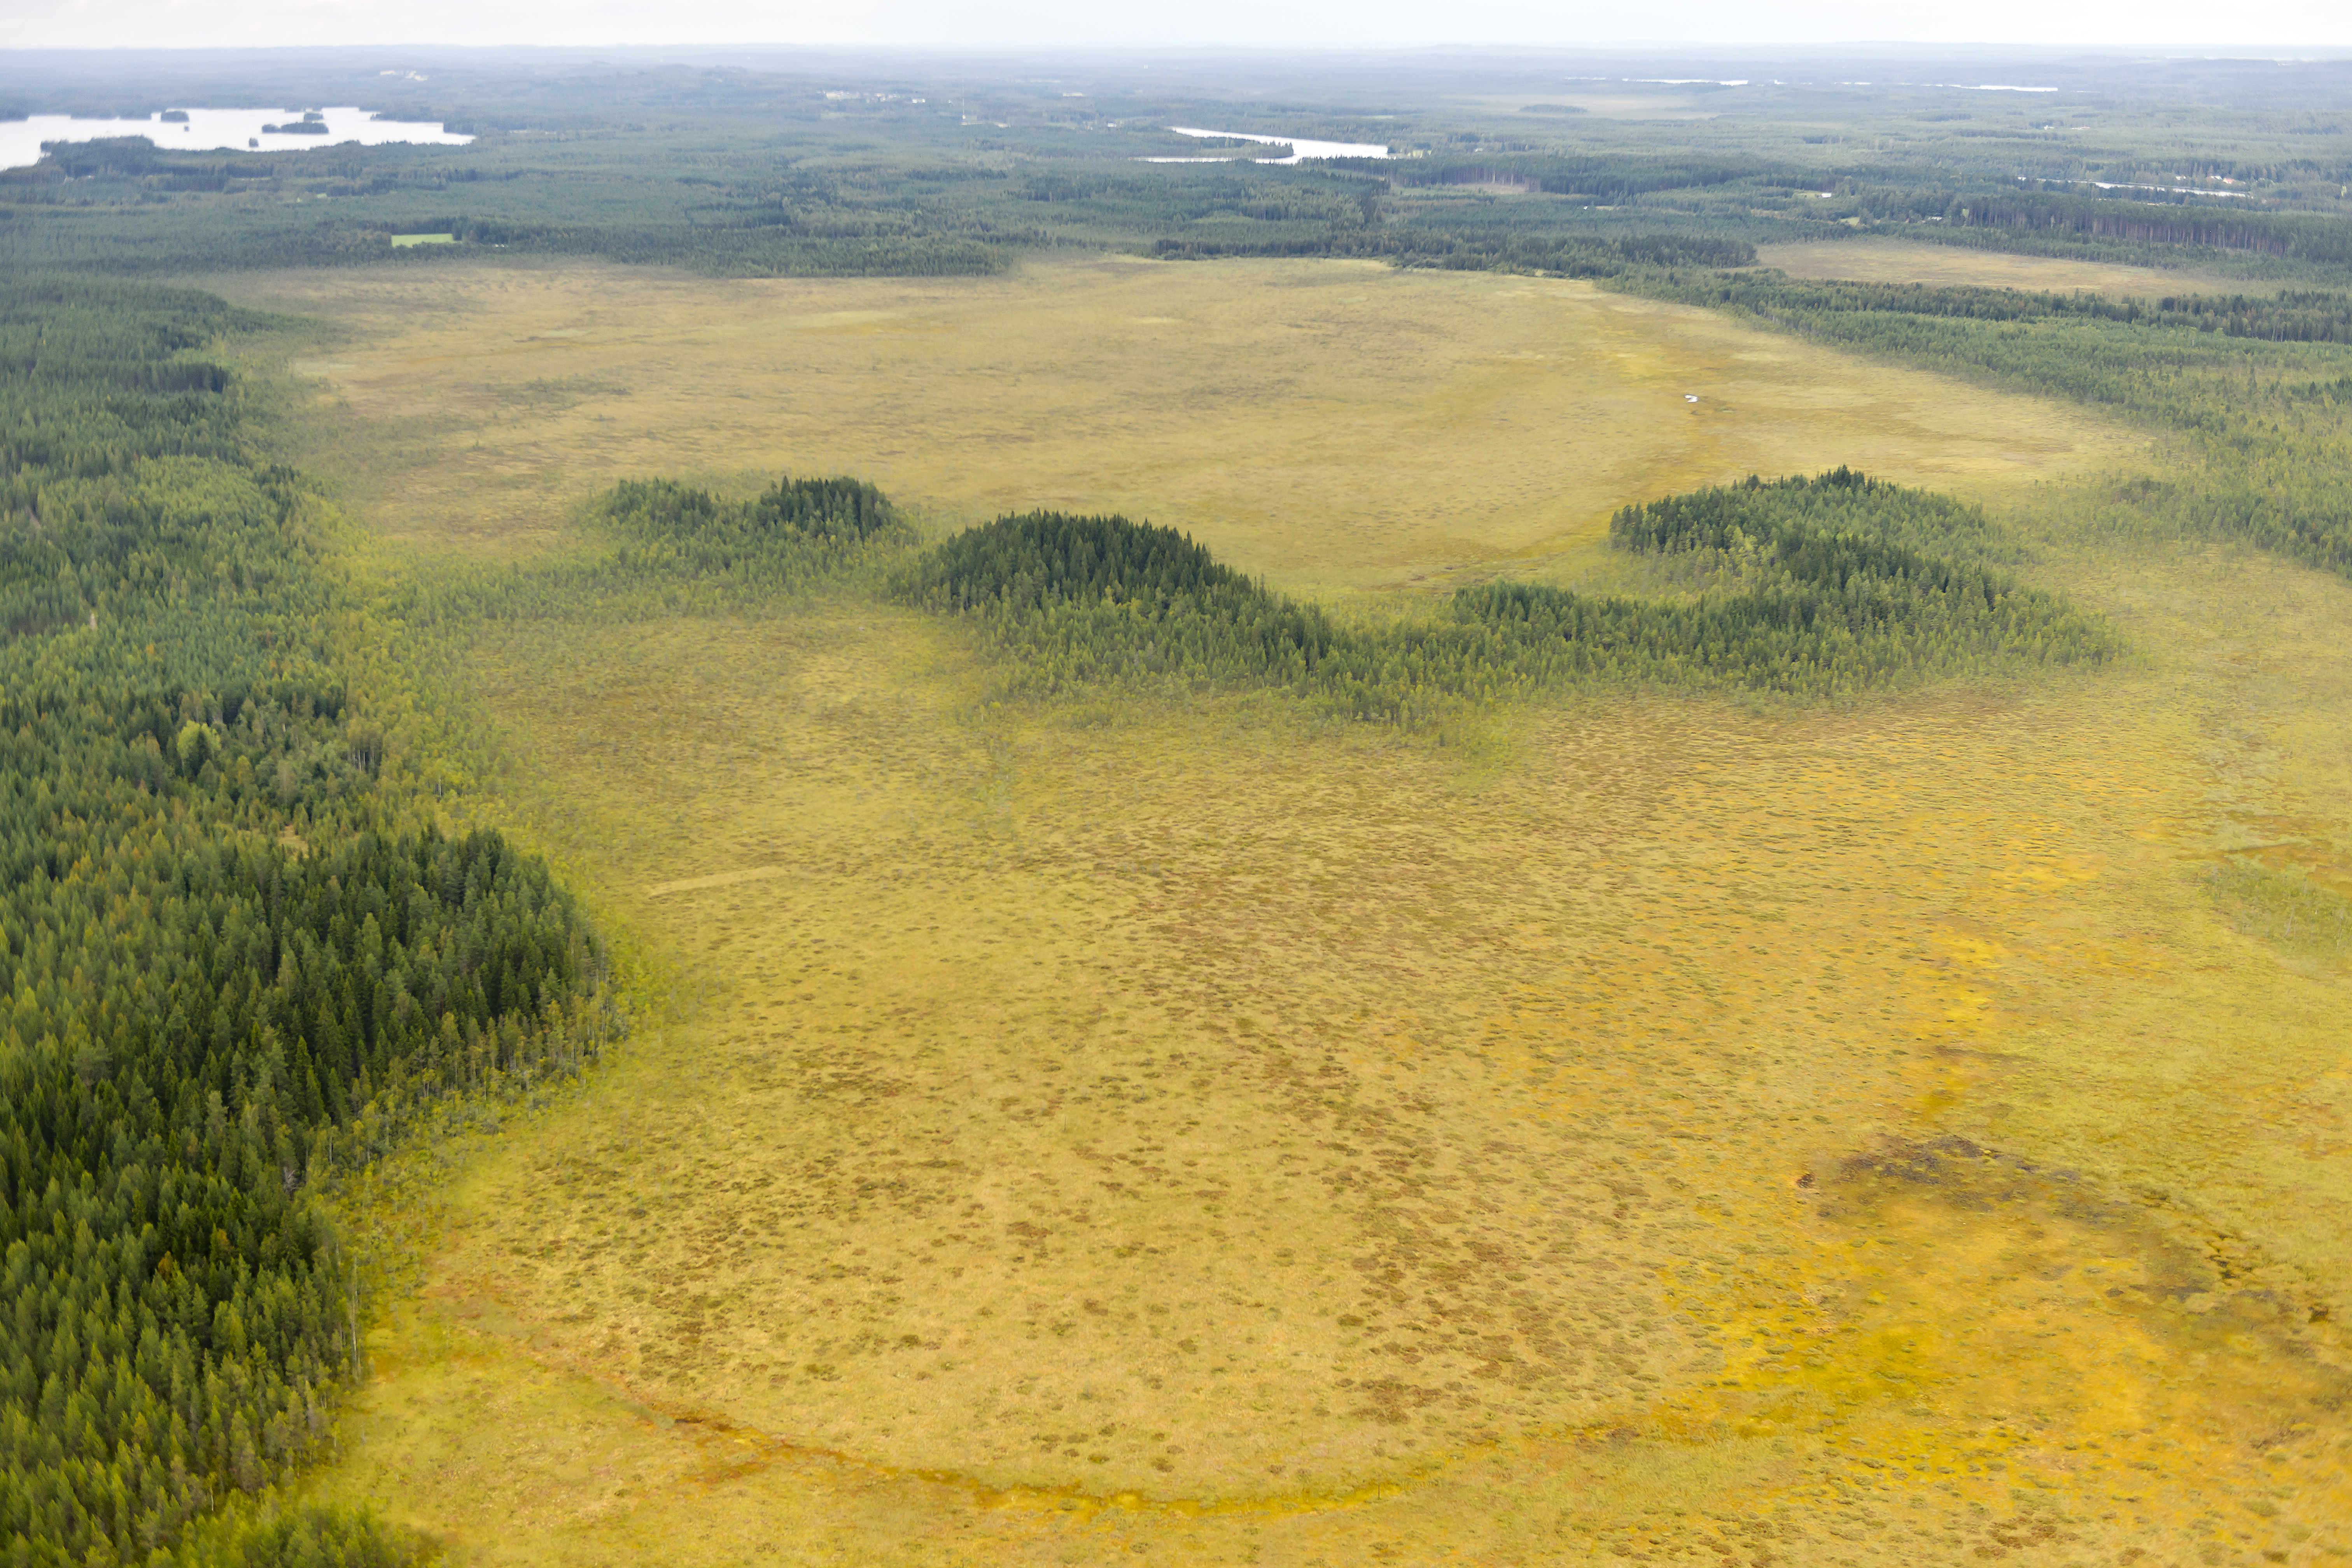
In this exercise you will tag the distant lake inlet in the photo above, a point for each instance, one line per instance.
(1301, 148)
(221, 130)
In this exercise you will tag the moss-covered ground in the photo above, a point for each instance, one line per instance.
(1187, 1130)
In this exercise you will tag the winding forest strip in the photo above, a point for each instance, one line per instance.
(1822, 587)
(1813, 587)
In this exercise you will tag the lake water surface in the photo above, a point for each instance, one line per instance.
(1300, 147)
(214, 129)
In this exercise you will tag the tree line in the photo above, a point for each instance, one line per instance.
(2168, 220)
(2289, 316)
(226, 933)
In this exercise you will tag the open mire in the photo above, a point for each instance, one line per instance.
(1329, 424)
(1194, 1130)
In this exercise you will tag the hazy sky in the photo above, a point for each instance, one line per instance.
(2216, 25)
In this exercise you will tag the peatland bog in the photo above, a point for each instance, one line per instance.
(1332, 424)
(1184, 1124)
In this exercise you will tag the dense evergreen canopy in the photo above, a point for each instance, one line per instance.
(220, 937)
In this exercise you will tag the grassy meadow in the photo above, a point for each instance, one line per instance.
(1666, 1129)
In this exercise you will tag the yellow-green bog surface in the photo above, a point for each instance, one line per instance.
(1330, 424)
(1188, 1130)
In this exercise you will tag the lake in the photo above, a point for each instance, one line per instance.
(1300, 147)
(215, 130)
